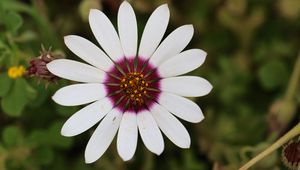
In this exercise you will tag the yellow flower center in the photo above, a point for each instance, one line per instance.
(16, 71)
(134, 86)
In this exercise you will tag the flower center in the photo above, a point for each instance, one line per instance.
(134, 86)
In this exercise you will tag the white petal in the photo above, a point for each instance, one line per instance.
(105, 34)
(103, 136)
(189, 86)
(150, 132)
(181, 107)
(173, 44)
(87, 117)
(154, 31)
(127, 29)
(76, 71)
(127, 136)
(88, 51)
(171, 126)
(78, 94)
(182, 63)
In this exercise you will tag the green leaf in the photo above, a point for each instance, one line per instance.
(26, 36)
(5, 53)
(273, 74)
(12, 136)
(55, 138)
(5, 84)
(44, 155)
(13, 21)
(66, 111)
(41, 94)
(37, 138)
(14, 103)
(31, 93)
(13, 5)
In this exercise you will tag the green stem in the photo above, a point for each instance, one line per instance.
(293, 83)
(289, 135)
(286, 112)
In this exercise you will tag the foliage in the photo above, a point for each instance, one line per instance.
(252, 47)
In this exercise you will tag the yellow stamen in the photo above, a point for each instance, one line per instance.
(134, 86)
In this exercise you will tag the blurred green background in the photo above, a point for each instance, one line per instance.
(252, 62)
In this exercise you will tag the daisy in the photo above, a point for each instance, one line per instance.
(131, 90)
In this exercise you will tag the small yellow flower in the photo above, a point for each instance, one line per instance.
(16, 71)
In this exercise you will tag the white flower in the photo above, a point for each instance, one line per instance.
(131, 91)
